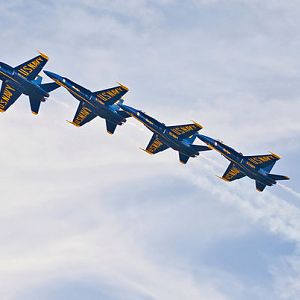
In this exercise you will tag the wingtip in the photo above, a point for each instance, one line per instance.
(222, 178)
(34, 113)
(146, 151)
(196, 123)
(275, 155)
(73, 123)
(109, 132)
(123, 86)
(43, 55)
(2, 110)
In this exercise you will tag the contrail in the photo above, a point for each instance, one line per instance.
(59, 102)
(290, 190)
(278, 214)
(213, 162)
(136, 126)
(219, 166)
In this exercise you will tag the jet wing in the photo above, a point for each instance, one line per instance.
(8, 96)
(185, 131)
(31, 68)
(83, 115)
(155, 145)
(232, 173)
(266, 161)
(111, 95)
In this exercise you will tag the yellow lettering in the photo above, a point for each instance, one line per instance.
(156, 144)
(7, 93)
(82, 115)
(183, 129)
(27, 69)
(233, 172)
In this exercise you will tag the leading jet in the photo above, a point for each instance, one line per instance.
(92, 104)
(178, 137)
(257, 167)
(24, 79)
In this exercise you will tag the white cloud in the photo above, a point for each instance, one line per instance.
(79, 204)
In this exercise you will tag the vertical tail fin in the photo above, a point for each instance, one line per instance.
(259, 186)
(183, 158)
(110, 127)
(35, 104)
(38, 79)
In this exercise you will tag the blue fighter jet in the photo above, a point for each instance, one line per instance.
(24, 79)
(92, 104)
(178, 137)
(257, 167)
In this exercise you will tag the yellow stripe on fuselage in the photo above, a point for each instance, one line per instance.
(69, 89)
(234, 161)
(152, 129)
(9, 77)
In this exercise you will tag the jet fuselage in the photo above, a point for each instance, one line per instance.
(22, 84)
(167, 136)
(246, 167)
(82, 94)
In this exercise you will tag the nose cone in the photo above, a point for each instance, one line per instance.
(128, 109)
(206, 139)
(53, 75)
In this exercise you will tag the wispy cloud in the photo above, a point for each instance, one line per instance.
(79, 207)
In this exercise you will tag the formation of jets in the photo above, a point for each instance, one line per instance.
(109, 105)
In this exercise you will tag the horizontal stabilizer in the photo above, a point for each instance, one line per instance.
(279, 177)
(49, 87)
(35, 104)
(110, 127)
(183, 158)
(38, 80)
(200, 148)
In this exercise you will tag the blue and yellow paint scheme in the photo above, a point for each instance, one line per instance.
(257, 167)
(178, 137)
(24, 79)
(92, 104)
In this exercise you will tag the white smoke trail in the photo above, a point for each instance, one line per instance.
(213, 162)
(219, 166)
(279, 215)
(52, 98)
(139, 127)
(290, 190)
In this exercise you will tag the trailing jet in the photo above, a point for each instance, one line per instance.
(24, 79)
(92, 104)
(178, 137)
(257, 167)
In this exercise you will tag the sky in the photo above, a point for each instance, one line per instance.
(86, 215)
